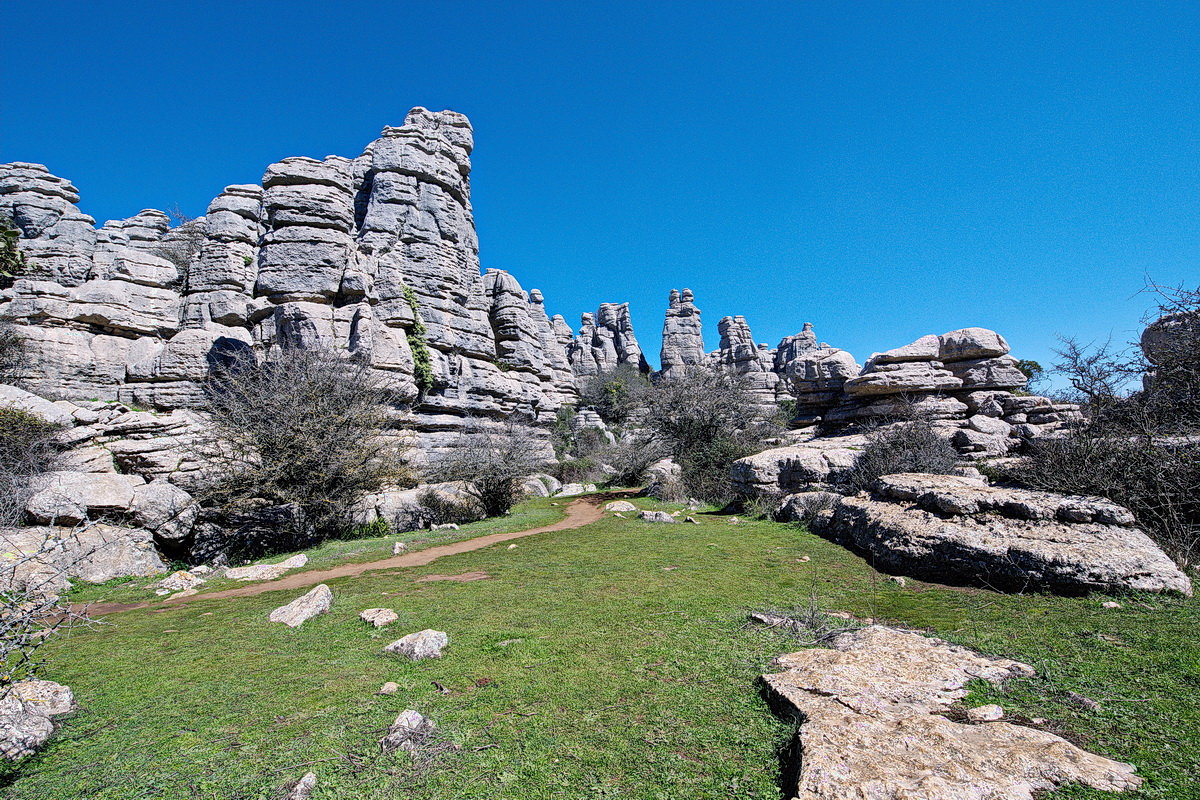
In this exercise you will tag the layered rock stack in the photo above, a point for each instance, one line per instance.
(606, 341)
(683, 336)
(375, 256)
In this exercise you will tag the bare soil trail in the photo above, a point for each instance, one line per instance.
(579, 513)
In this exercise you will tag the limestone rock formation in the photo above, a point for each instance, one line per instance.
(683, 335)
(960, 530)
(606, 341)
(27, 714)
(873, 726)
(814, 463)
(813, 372)
(374, 255)
(739, 354)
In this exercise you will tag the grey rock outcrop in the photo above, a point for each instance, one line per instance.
(683, 335)
(947, 528)
(606, 341)
(813, 372)
(420, 645)
(358, 254)
(873, 725)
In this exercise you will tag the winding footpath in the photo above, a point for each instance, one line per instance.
(579, 513)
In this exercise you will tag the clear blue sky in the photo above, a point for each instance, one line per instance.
(883, 170)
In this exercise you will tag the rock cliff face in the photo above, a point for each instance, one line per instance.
(358, 254)
(605, 342)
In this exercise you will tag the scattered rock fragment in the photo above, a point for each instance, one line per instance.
(265, 572)
(391, 687)
(899, 580)
(656, 516)
(399, 548)
(1110, 604)
(407, 733)
(692, 520)
(446, 526)
(316, 602)
(379, 617)
(180, 581)
(304, 787)
(420, 645)
(620, 505)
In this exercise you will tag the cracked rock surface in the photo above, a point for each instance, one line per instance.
(873, 727)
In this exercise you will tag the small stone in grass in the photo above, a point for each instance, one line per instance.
(804, 559)
(421, 645)
(391, 687)
(304, 787)
(512, 547)
(398, 548)
(379, 617)
(1110, 604)
(898, 580)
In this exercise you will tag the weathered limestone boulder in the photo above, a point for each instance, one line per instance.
(804, 506)
(953, 529)
(541, 485)
(739, 354)
(873, 726)
(21, 400)
(420, 645)
(683, 335)
(813, 372)
(622, 506)
(96, 552)
(811, 464)
(181, 581)
(408, 732)
(901, 377)
(27, 715)
(164, 509)
(606, 341)
(406, 509)
(69, 498)
(656, 516)
(312, 604)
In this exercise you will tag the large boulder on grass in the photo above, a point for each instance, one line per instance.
(303, 608)
(959, 530)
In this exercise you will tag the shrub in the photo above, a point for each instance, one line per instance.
(493, 461)
(706, 419)
(305, 431)
(617, 395)
(13, 347)
(27, 450)
(443, 508)
(1154, 477)
(903, 447)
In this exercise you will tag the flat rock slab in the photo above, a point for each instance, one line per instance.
(266, 572)
(873, 728)
(314, 603)
(27, 716)
(420, 645)
(656, 516)
(945, 528)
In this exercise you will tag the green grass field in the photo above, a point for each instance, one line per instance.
(610, 661)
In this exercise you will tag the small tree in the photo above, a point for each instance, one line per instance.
(493, 461)
(305, 429)
(706, 419)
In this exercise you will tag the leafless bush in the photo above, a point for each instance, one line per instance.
(808, 623)
(706, 419)
(303, 431)
(30, 608)
(631, 456)
(442, 508)
(27, 450)
(1156, 477)
(493, 461)
(182, 243)
(903, 447)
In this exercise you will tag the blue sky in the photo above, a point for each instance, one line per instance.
(882, 170)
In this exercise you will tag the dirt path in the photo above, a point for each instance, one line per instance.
(583, 511)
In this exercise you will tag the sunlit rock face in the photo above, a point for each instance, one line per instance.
(372, 256)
